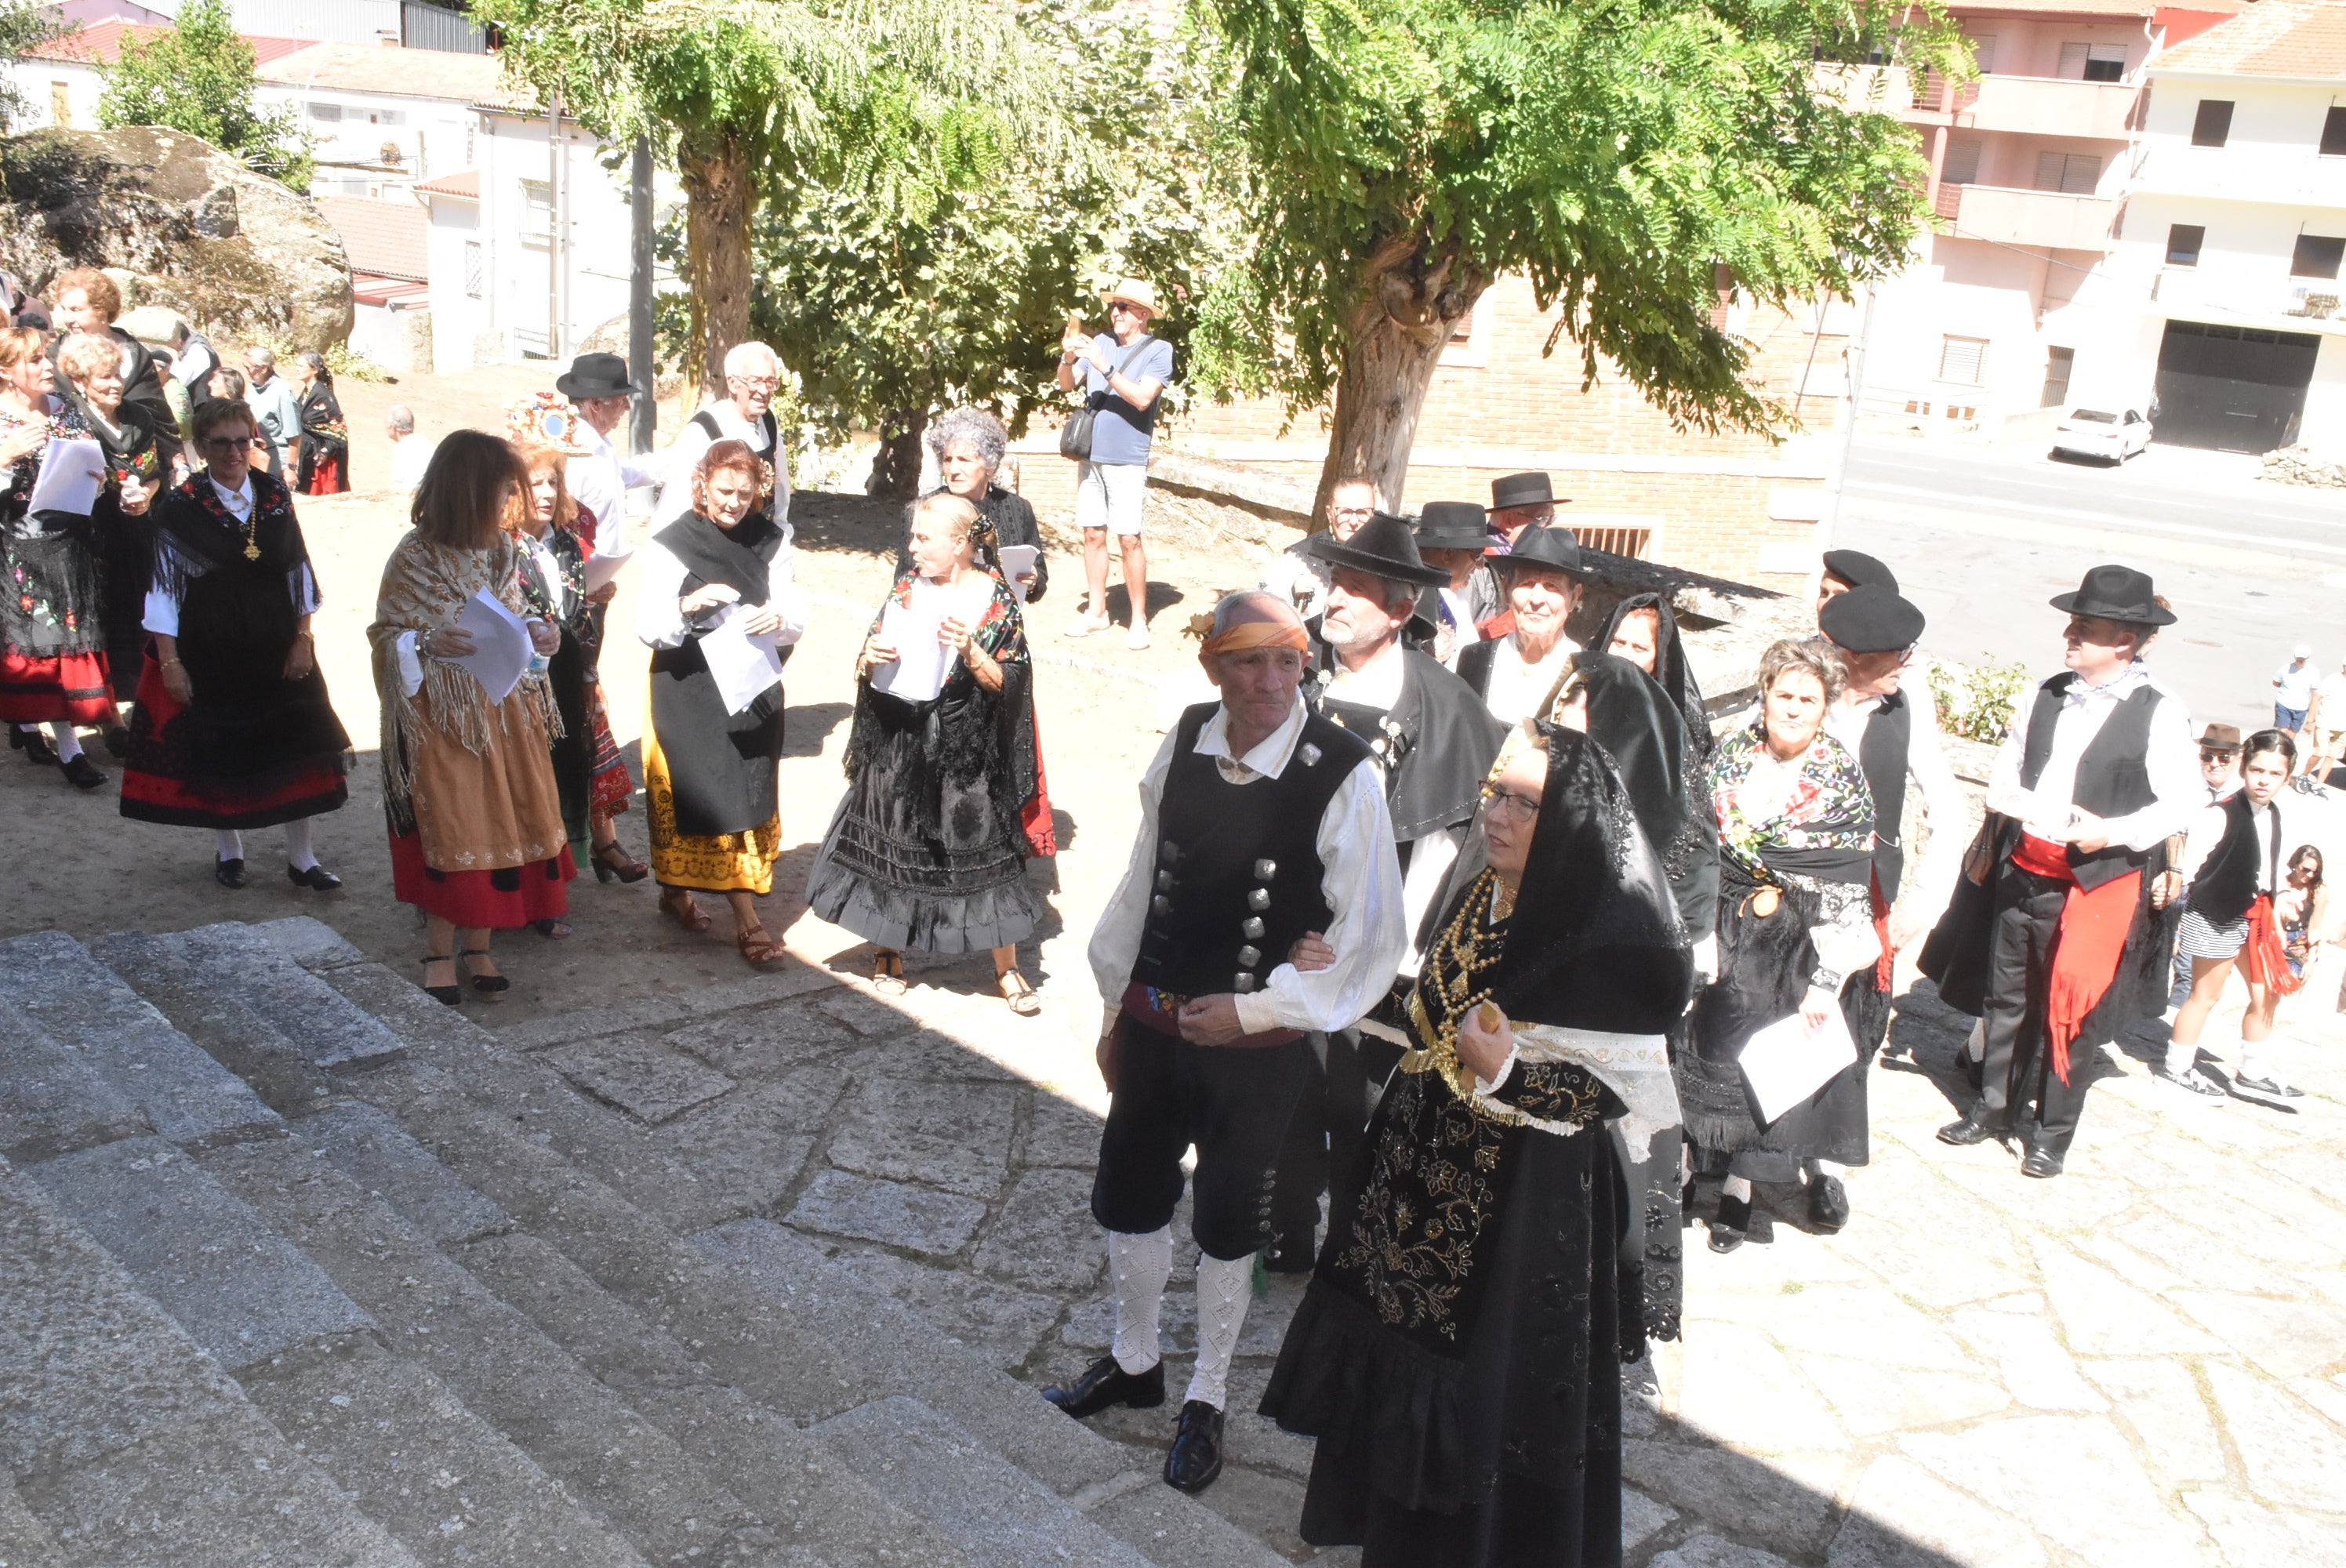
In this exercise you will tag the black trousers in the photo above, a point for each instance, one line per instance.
(1231, 1104)
(1324, 1138)
(2021, 1093)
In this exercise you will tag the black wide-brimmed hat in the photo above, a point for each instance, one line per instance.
(596, 376)
(1521, 490)
(1555, 547)
(1858, 570)
(1453, 525)
(1871, 619)
(1382, 547)
(2116, 594)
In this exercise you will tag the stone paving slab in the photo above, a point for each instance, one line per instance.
(919, 1219)
(25, 1540)
(641, 1077)
(51, 1101)
(251, 965)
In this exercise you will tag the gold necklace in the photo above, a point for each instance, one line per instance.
(1450, 967)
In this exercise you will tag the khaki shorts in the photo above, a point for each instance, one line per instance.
(1108, 495)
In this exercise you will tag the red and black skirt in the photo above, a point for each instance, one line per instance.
(52, 640)
(505, 899)
(270, 752)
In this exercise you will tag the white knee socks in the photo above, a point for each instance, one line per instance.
(62, 736)
(228, 844)
(1137, 1268)
(1225, 1287)
(1736, 1186)
(297, 853)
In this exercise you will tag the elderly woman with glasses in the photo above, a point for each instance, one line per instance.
(121, 522)
(233, 727)
(1795, 928)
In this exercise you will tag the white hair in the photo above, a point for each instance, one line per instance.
(743, 358)
(1227, 607)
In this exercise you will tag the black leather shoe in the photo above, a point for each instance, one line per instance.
(228, 873)
(1828, 1203)
(1197, 1456)
(317, 878)
(81, 773)
(2041, 1163)
(1105, 1384)
(1727, 1232)
(1966, 1133)
(37, 749)
(118, 740)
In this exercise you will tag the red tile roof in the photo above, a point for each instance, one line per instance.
(2304, 38)
(466, 185)
(103, 44)
(2054, 9)
(384, 237)
(402, 72)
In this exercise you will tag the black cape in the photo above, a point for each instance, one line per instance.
(1435, 746)
(1637, 722)
(722, 766)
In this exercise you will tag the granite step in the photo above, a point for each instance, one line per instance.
(225, 1027)
(127, 1445)
(626, 1462)
(188, 1097)
(25, 1540)
(52, 1101)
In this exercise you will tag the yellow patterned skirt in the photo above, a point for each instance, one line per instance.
(729, 862)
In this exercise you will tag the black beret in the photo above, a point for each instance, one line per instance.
(1860, 570)
(1871, 620)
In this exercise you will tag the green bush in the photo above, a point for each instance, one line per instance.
(1977, 701)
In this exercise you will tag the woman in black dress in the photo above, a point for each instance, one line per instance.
(122, 524)
(926, 851)
(1643, 630)
(325, 449)
(1458, 1353)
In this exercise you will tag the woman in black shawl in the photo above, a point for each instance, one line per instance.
(1619, 706)
(233, 727)
(1458, 1353)
(122, 522)
(711, 770)
(325, 450)
(927, 851)
(1642, 630)
(1795, 922)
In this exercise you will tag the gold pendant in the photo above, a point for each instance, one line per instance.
(1764, 902)
(252, 552)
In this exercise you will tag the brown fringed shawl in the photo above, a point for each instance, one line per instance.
(425, 586)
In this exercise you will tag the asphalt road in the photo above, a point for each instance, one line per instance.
(1981, 538)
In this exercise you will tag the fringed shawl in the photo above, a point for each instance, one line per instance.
(426, 586)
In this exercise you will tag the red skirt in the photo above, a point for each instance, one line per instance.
(611, 788)
(36, 689)
(162, 781)
(503, 900)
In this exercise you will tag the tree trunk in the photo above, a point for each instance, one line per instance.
(896, 466)
(716, 257)
(1412, 298)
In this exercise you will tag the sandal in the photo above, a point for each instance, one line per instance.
(678, 905)
(487, 987)
(446, 995)
(550, 928)
(888, 973)
(612, 861)
(761, 950)
(1023, 998)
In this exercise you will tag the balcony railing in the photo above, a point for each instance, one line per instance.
(2040, 219)
(2185, 289)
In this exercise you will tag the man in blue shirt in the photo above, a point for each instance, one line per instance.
(1122, 376)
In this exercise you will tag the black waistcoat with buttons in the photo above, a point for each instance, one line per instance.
(1882, 754)
(2113, 772)
(1238, 874)
(2229, 882)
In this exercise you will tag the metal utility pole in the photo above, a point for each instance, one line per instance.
(553, 225)
(1856, 350)
(643, 420)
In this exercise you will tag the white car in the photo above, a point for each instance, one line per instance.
(2097, 432)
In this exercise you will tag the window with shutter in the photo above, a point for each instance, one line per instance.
(2317, 256)
(2059, 362)
(1983, 54)
(2212, 125)
(2334, 133)
(2072, 62)
(2070, 173)
(1959, 359)
(2105, 63)
(2183, 242)
(1962, 167)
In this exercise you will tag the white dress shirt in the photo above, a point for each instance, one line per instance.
(600, 481)
(1361, 879)
(162, 613)
(676, 493)
(1517, 688)
(2172, 761)
(659, 586)
(1929, 884)
(1298, 579)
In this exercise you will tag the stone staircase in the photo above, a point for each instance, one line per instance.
(298, 1267)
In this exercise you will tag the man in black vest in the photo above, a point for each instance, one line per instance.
(1434, 742)
(2057, 949)
(1894, 738)
(753, 372)
(1261, 824)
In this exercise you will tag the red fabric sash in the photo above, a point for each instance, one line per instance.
(2042, 858)
(2265, 958)
(2085, 949)
(1499, 625)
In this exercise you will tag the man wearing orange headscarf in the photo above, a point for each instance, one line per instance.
(1260, 824)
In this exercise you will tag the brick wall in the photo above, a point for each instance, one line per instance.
(1734, 506)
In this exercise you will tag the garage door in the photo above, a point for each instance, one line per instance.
(2232, 388)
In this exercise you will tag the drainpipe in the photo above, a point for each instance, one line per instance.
(1857, 351)
(552, 226)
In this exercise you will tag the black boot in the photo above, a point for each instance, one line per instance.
(1104, 1384)
(1828, 1203)
(1197, 1456)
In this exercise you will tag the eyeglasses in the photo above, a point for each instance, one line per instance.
(226, 442)
(1353, 513)
(1497, 800)
(1116, 305)
(2210, 754)
(756, 383)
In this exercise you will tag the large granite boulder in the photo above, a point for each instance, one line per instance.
(233, 251)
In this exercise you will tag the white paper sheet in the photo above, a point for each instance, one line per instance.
(501, 645)
(745, 668)
(917, 673)
(72, 473)
(1786, 1062)
(1017, 560)
(601, 569)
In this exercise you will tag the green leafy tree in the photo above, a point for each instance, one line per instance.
(888, 316)
(1624, 155)
(198, 78)
(896, 101)
(23, 25)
